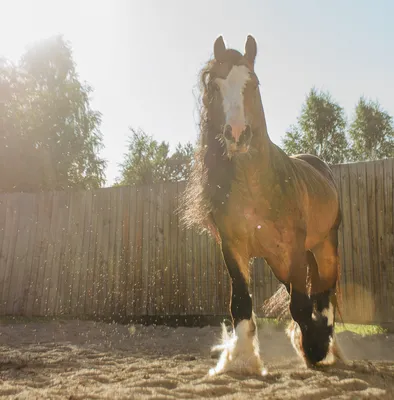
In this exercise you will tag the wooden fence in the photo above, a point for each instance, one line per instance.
(120, 252)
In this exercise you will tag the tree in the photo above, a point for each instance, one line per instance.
(50, 137)
(371, 132)
(148, 161)
(180, 162)
(320, 129)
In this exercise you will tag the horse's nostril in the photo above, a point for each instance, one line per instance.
(247, 132)
(228, 133)
(246, 135)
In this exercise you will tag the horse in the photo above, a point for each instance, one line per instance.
(257, 201)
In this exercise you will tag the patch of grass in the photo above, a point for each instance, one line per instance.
(363, 330)
(271, 322)
(359, 329)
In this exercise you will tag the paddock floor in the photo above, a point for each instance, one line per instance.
(89, 360)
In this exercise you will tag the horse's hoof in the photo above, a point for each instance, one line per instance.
(239, 351)
(252, 366)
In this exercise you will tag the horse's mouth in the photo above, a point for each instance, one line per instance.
(234, 149)
(240, 147)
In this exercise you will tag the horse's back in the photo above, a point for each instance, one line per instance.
(316, 163)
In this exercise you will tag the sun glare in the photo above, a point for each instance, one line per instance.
(24, 22)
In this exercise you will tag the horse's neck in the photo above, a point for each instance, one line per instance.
(268, 163)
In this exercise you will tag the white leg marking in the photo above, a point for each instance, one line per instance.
(334, 351)
(294, 333)
(240, 350)
(233, 100)
(329, 314)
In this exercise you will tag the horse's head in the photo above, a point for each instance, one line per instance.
(232, 88)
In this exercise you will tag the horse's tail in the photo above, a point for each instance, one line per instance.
(277, 306)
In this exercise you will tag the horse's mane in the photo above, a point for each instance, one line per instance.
(211, 174)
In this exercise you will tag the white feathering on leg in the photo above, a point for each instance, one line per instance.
(240, 350)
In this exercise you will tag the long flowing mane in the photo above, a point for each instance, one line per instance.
(212, 171)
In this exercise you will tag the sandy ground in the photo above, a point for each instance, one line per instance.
(88, 360)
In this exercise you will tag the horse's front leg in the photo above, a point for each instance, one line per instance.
(314, 337)
(240, 348)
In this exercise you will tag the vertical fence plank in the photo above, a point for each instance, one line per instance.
(189, 271)
(138, 283)
(365, 256)
(336, 170)
(389, 236)
(151, 245)
(104, 235)
(133, 264)
(90, 253)
(20, 270)
(3, 253)
(45, 243)
(28, 279)
(160, 249)
(9, 242)
(372, 235)
(347, 264)
(124, 257)
(63, 305)
(380, 196)
(145, 248)
(56, 289)
(118, 252)
(356, 279)
(182, 266)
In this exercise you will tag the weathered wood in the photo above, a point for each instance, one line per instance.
(23, 207)
(389, 236)
(45, 243)
(138, 273)
(29, 278)
(367, 304)
(130, 250)
(121, 252)
(103, 243)
(77, 229)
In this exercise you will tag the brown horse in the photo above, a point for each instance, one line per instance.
(259, 202)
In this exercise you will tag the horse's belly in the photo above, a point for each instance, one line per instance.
(321, 219)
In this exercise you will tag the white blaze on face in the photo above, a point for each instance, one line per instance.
(232, 89)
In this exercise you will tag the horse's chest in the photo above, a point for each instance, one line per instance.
(246, 220)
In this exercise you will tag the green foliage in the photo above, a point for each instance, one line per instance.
(148, 161)
(49, 135)
(371, 132)
(320, 129)
(179, 164)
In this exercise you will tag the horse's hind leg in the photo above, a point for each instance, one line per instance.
(240, 349)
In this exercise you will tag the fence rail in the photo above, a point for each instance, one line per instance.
(120, 252)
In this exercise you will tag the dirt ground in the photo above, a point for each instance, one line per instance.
(90, 360)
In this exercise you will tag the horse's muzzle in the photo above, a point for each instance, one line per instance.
(242, 145)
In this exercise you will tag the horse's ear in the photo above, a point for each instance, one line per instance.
(219, 48)
(250, 49)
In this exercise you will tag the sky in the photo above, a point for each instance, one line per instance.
(143, 57)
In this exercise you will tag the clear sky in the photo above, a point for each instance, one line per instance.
(143, 57)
